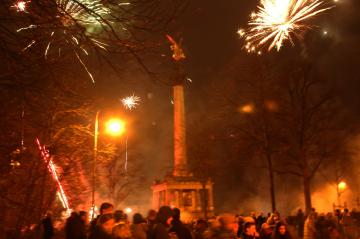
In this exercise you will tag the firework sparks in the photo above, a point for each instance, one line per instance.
(130, 102)
(52, 169)
(63, 28)
(276, 21)
(20, 6)
(81, 12)
(26, 28)
(85, 67)
(29, 45)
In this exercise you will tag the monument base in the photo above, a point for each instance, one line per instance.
(193, 197)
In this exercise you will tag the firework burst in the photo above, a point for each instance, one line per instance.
(69, 28)
(20, 6)
(130, 102)
(277, 21)
(83, 12)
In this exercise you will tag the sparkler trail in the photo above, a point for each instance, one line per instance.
(276, 21)
(130, 102)
(52, 169)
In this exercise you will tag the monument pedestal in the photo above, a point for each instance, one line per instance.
(186, 193)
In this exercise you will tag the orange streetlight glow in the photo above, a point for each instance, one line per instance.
(115, 127)
(128, 210)
(342, 186)
(247, 109)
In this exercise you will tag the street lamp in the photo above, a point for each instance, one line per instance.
(114, 127)
(341, 187)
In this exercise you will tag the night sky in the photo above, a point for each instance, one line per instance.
(209, 33)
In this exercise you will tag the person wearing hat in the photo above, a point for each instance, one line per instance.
(162, 224)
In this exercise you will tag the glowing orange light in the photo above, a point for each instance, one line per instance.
(249, 108)
(128, 210)
(342, 186)
(271, 105)
(115, 127)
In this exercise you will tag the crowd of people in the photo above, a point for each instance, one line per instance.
(166, 224)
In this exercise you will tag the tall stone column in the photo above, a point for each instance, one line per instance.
(180, 158)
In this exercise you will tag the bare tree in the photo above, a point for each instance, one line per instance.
(286, 114)
(315, 129)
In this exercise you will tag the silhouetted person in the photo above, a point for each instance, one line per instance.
(105, 208)
(120, 217)
(83, 224)
(75, 227)
(139, 227)
(162, 224)
(72, 226)
(48, 227)
(266, 231)
(309, 226)
(281, 231)
(104, 227)
(121, 229)
(249, 231)
(227, 228)
(300, 221)
(150, 222)
(200, 228)
(178, 227)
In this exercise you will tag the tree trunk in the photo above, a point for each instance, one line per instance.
(307, 195)
(272, 183)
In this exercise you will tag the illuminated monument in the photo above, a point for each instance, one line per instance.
(180, 189)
